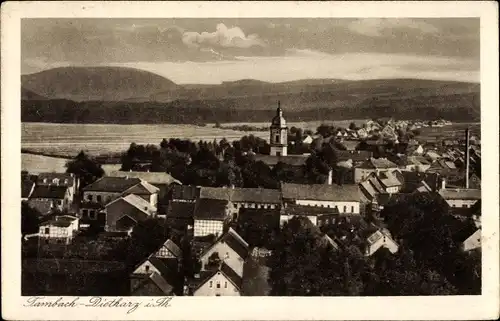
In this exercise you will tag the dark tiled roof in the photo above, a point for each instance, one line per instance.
(185, 192)
(231, 275)
(49, 191)
(293, 160)
(320, 192)
(154, 178)
(161, 283)
(180, 210)
(62, 177)
(355, 155)
(379, 163)
(211, 209)
(173, 248)
(460, 194)
(294, 209)
(112, 184)
(242, 195)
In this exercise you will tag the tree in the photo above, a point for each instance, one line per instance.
(30, 219)
(352, 126)
(85, 169)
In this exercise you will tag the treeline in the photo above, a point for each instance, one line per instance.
(429, 260)
(459, 107)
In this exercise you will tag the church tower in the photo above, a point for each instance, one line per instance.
(279, 134)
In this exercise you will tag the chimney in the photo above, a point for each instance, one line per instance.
(443, 184)
(467, 157)
(330, 177)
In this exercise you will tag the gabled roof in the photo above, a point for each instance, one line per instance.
(295, 209)
(378, 163)
(62, 177)
(161, 283)
(354, 155)
(49, 191)
(227, 271)
(173, 248)
(58, 223)
(241, 195)
(350, 144)
(368, 189)
(211, 209)
(142, 187)
(292, 160)
(137, 202)
(388, 179)
(234, 241)
(460, 194)
(112, 184)
(155, 178)
(320, 192)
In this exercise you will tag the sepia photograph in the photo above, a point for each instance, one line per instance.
(250, 156)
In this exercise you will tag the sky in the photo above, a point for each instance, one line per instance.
(209, 50)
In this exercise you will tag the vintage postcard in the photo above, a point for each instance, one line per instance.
(301, 161)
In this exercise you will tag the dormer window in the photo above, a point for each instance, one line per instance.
(45, 180)
(55, 181)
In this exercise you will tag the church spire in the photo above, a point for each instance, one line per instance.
(279, 111)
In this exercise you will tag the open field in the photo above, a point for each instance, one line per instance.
(69, 139)
(44, 164)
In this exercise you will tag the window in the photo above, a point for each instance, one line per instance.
(89, 197)
(277, 138)
(352, 209)
(211, 284)
(99, 198)
(225, 285)
(147, 268)
(278, 153)
(92, 215)
(47, 230)
(218, 284)
(85, 213)
(464, 205)
(345, 208)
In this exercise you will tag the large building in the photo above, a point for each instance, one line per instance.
(279, 134)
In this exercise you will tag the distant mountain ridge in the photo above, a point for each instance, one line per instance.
(121, 84)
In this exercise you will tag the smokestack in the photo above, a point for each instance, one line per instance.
(467, 157)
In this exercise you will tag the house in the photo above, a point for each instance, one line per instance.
(107, 189)
(210, 216)
(387, 180)
(219, 282)
(153, 278)
(124, 213)
(58, 230)
(362, 133)
(372, 165)
(432, 155)
(60, 179)
(356, 156)
(161, 180)
(380, 239)
(319, 216)
(27, 188)
(350, 145)
(460, 198)
(169, 250)
(47, 198)
(307, 140)
(230, 249)
(243, 197)
(184, 194)
(389, 132)
(346, 198)
(423, 181)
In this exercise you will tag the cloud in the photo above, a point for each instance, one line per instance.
(375, 27)
(224, 37)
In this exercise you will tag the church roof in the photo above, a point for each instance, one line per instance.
(278, 120)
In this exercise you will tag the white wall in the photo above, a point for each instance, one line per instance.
(226, 287)
(461, 203)
(143, 268)
(351, 207)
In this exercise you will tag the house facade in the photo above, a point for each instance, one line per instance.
(125, 212)
(58, 231)
(60, 179)
(210, 216)
(230, 249)
(221, 282)
(373, 165)
(47, 198)
(378, 240)
(463, 198)
(472, 242)
(345, 198)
